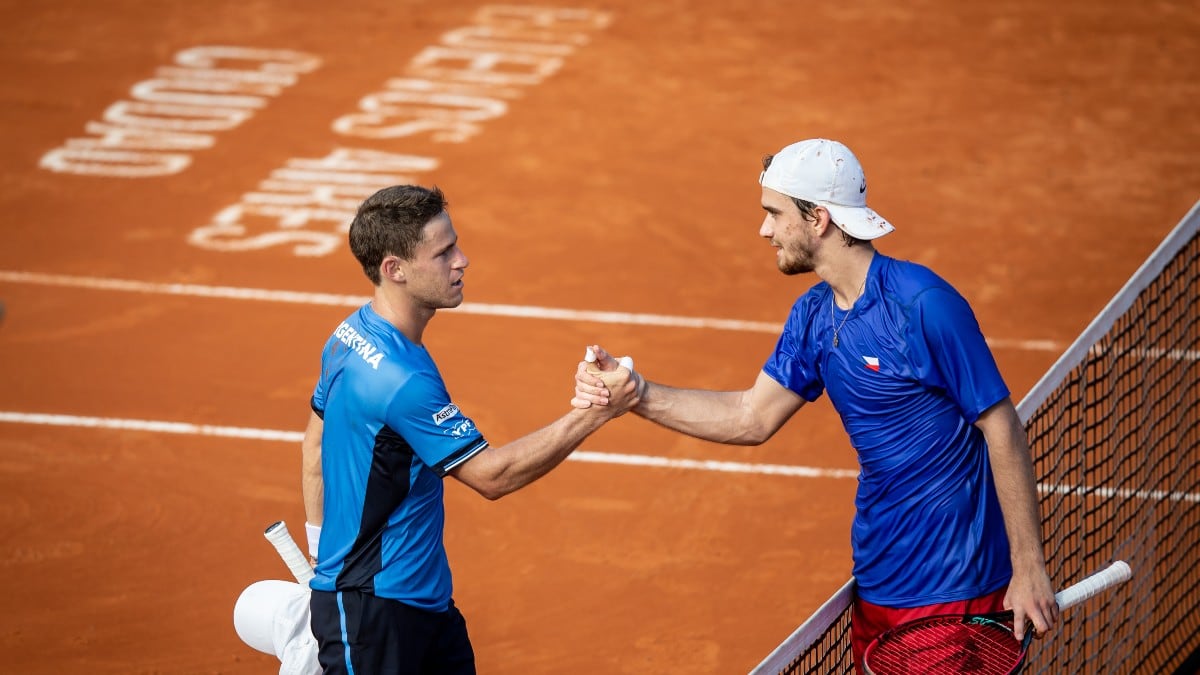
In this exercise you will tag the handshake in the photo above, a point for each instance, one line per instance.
(600, 376)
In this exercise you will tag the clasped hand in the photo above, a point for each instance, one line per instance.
(604, 381)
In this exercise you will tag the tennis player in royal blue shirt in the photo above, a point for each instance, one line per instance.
(946, 514)
(384, 433)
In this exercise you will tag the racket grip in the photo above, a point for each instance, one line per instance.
(279, 537)
(1100, 581)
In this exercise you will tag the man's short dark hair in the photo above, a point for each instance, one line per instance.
(392, 222)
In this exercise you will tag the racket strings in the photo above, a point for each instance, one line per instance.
(947, 647)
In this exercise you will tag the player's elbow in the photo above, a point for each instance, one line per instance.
(492, 491)
(759, 415)
(754, 436)
(489, 484)
(754, 431)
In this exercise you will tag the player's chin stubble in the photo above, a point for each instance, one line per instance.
(795, 261)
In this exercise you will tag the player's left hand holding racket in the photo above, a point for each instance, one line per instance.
(971, 643)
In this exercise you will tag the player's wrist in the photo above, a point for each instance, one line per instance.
(641, 385)
(314, 538)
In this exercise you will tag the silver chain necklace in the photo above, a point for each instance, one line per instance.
(833, 317)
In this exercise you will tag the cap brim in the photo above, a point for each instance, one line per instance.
(859, 222)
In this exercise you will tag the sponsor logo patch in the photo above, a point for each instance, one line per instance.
(461, 428)
(444, 414)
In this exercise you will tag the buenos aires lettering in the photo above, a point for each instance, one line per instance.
(445, 94)
(175, 113)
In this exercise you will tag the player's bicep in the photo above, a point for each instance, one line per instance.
(1006, 439)
(1000, 423)
(311, 445)
(768, 405)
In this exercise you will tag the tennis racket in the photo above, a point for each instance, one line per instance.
(282, 540)
(971, 643)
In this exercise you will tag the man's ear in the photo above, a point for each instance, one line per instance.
(823, 220)
(392, 268)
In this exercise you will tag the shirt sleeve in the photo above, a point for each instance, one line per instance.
(438, 432)
(321, 390)
(951, 353)
(793, 364)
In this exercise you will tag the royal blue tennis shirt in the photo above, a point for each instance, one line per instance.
(911, 375)
(391, 434)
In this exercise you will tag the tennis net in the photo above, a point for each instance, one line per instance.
(1114, 427)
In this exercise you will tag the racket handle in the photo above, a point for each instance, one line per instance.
(1100, 581)
(279, 537)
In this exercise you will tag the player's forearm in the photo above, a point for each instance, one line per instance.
(506, 469)
(313, 491)
(312, 486)
(719, 416)
(1016, 488)
(1030, 592)
(1018, 500)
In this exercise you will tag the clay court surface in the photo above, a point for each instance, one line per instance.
(598, 158)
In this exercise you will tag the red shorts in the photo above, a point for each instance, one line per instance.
(870, 620)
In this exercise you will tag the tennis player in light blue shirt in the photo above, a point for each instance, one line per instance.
(383, 435)
(391, 432)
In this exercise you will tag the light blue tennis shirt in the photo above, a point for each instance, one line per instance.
(391, 435)
(911, 375)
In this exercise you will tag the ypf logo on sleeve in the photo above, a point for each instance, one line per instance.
(444, 414)
(460, 429)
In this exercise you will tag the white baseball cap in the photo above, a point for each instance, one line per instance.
(272, 616)
(826, 173)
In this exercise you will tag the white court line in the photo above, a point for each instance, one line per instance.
(187, 429)
(518, 311)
